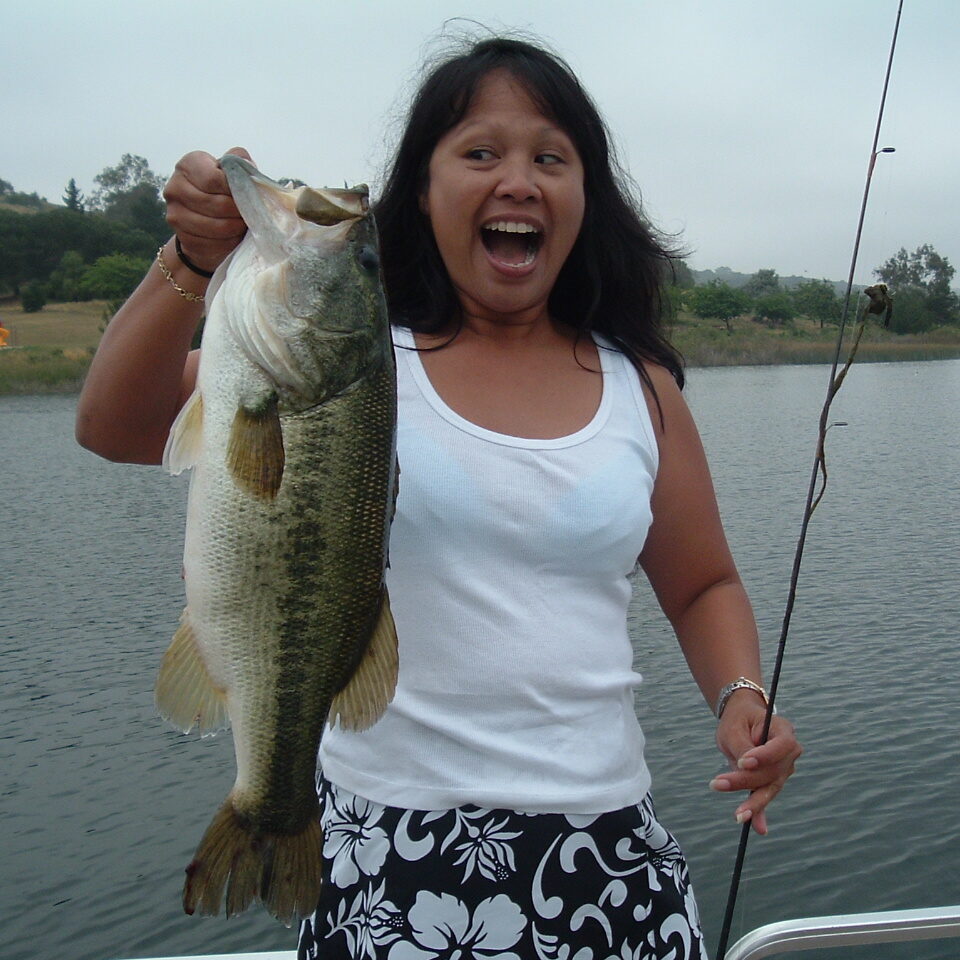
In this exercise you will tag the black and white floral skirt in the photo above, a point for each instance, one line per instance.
(471, 883)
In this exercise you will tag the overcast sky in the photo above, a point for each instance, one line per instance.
(746, 123)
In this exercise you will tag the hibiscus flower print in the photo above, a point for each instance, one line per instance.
(487, 850)
(352, 840)
(371, 921)
(443, 929)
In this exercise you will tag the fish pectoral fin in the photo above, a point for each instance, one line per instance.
(186, 695)
(182, 450)
(361, 703)
(255, 454)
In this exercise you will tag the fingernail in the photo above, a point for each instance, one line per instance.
(748, 763)
(743, 816)
(718, 783)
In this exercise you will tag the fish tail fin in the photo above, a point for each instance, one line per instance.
(364, 698)
(232, 859)
(186, 695)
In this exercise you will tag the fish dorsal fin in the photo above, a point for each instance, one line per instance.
(362, 701)
(186, 695)
(255, 455)
(184, 441)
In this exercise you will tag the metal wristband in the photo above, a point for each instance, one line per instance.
(168, 276)
(741, 683)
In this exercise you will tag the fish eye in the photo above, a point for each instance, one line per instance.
(368, 258)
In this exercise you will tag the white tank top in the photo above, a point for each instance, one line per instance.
(508, 582)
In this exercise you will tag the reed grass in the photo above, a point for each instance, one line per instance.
(32, 370)
(706, 344)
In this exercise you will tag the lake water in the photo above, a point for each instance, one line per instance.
(101, 805)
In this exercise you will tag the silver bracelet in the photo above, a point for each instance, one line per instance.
(741, 683)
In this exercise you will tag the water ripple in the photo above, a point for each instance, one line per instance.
(102, 804)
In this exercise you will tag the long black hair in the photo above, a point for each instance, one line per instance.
(613, 279)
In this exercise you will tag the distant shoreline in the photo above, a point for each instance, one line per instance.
(51, 350)
(41, 371)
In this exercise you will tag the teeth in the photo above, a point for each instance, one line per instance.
(511, 226)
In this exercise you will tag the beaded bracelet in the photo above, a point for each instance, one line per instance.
(165, 270)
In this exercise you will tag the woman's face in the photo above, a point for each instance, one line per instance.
(505, 201)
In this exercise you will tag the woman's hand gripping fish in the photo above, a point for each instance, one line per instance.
(290, 434)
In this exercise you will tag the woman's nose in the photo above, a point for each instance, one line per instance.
(518, 181)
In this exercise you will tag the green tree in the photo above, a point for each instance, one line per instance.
(113, 277)
(5, 187)
(679, 275)
(129, 173)
(920, 285)
(142, 209)
(718, 301)
(34, 244)
(72, 197)
(130, 193)
(817, 300)
(64, 282)
(775, 309)
(762, 283)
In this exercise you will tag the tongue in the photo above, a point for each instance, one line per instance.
(509, 248)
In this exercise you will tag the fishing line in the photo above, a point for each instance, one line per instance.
(818, 473)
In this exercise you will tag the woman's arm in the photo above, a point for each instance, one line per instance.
(144, 371)
(689, 565)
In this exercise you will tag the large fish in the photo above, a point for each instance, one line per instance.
(291, 436)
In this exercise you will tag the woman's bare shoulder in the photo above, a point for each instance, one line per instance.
(665, 400)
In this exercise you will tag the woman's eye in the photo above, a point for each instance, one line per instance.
(480, 153)
(548, 158)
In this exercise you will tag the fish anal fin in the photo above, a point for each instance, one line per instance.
(364, 698)
(255, 454)
(182, 450)
(235, 861)
(186, 695)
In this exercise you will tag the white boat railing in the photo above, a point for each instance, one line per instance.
(786, 936)
(847, 930)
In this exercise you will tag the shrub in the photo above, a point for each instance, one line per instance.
(33, 297)
(113, 277)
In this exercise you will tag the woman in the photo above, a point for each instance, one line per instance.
(501, 805)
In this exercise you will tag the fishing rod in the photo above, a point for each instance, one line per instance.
(819, 472)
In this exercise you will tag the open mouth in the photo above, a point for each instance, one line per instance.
(511, 243)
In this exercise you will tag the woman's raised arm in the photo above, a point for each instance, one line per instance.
(143, 370)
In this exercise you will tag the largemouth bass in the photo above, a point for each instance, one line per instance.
(291, 437)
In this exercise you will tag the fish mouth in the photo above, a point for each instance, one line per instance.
(328, 207)
(511, 243)
(275, 213)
